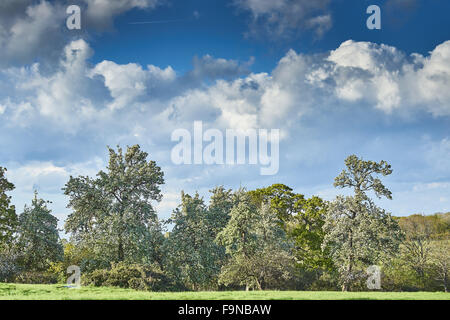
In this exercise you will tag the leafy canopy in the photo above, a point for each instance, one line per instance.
(8, 217)
(113, 213)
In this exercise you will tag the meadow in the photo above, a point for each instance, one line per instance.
(60, 292)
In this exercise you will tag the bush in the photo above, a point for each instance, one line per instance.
(8, 267)
(325, 282)
(35, 277)
(96, 278)
(133, 276)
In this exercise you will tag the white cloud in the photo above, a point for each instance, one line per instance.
(31, 30)
(24, 32)
(100, 13)
(211, 68)
(285, 17)
(320, 24)
(130, 82)
(79, 108)
(359, 74)
(386, 78)
(48, 177)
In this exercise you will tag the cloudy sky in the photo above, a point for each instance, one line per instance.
(139, 69)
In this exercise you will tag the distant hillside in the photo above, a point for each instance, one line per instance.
(436, 226)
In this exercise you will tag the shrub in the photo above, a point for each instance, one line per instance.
(133, 276)
(8, 267)
(96, 278)
(35, 277)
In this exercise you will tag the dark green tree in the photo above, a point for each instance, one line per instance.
(259, 253)
(113, 214)
(8, 217)
(219, 208)
(194, 258)
(302, 219)
(38, 240)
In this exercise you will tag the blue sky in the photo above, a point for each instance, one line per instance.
(140, 69)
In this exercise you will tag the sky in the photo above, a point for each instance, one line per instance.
(138, 70)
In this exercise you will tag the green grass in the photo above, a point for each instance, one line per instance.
(58, 292)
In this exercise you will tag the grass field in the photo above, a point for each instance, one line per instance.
(58, 292)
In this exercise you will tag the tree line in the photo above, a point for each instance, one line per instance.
(268, 238)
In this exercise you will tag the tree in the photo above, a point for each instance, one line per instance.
(259, 254)
(113, 214)
(302, 220)
(281, 199)
(360, 175)
(38, 238)
(419, 231)
(358, 233)
(306, 230)
(440, 261)
(219, 208)
(193, 255)
(8, 217)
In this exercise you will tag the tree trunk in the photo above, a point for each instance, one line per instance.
(258, 284)
(346, 284)
(445, 283)
(120, 253)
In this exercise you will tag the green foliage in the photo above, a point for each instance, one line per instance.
(36, 277)
(38, 238)
(75, 255)
(419, 226)
(281, 199)
(357, 236)
(302, 219)
(133, 276)
(268, 238)
(9, 267)
(357, 232)
(260, 255)
(422, 263)
(193, 257)
(96, 278)
(8, 217)
(219, 208)
(361, 176)
(398, 276)
(113, 213)
(440, 262)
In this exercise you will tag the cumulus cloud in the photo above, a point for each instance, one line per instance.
(47, 176)
(212, 68)
(358, 74)
(100, 13)
(285, 17)
(24, 30)
(325, 105)
(32, 31)
(384, 77)
(127, 83)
